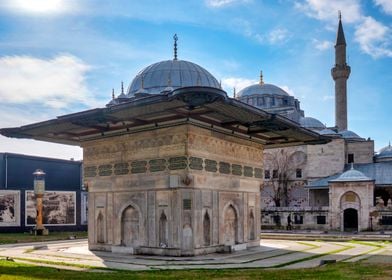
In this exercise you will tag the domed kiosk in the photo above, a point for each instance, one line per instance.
(351, 198)
(173, 166)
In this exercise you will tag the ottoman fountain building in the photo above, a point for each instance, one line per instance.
(173, 166)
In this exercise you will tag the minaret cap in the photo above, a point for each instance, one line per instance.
(340, 39)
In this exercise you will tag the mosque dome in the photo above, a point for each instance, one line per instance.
(348, 134)
(352, 175)
(309, 122)
(327, 131)
(169, 75)
(261, 89)
(385, 152)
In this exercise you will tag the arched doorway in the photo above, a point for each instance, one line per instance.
(350, 219)
(231, 226)
(130, 226)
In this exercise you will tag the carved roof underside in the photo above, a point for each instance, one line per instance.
(201, 106)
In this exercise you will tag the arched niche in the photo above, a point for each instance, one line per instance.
(130, 226)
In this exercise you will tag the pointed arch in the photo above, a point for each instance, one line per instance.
(163, 230)
(251, 225)
(206, 229)
(230, 226)
(130, 226)
(100, 228)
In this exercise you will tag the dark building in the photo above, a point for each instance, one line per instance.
(65, 202)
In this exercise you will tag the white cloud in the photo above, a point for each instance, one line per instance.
(287, 89)
(374, 38)
(56, 82)
(278, 35)
(386, 5)
(328, 10)
(328, 97)
(322, 45)
(238, 83)
(51, 7)
(223, 3)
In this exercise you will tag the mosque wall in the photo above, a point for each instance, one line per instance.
(363, 151)
(325, 160)
(183, 190)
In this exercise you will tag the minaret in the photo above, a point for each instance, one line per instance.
(340, 73)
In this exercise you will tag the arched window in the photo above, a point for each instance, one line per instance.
(163, 230)
(100, 228)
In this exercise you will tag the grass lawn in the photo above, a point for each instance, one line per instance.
(8, 238)
(12, 270)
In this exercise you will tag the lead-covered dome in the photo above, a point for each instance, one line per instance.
(311, 123)
(385, 153)
(169, 75)
(352, 175)
(261, 89)
(348, 134)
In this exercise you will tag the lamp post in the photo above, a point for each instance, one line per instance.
(39, 190)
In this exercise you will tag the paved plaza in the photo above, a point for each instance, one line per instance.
(272, 253)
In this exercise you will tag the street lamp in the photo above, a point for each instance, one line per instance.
(39, 190)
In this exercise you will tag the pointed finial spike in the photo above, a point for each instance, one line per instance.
(261, 78)
(234, 92)
(113, 93)
(122, 87)
(175, 37)
(340, 15)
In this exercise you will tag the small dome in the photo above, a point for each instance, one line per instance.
(327, 131)
(352, 175)
(385, 152)
(309, 122)
(260, 89)
(348, 134)
(171, 74)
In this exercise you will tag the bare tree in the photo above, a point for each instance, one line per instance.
(283, 164)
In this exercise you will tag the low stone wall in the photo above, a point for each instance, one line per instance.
(302, 218)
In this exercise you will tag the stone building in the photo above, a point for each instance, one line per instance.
(173, 166)
(314, 184)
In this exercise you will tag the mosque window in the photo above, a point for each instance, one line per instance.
(260, 101)
(298, 173)
(321, 220)
(272, 101)
(350, 158)
(275, 173)
(386, 220)
(298, 219)
(267, 174)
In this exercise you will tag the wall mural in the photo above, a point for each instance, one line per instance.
(9, 208)
(59, 208)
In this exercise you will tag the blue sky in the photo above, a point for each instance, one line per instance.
(63, 56)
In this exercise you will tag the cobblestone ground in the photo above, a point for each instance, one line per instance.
(283, 254)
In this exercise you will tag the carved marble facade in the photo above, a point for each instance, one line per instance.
(182, 190)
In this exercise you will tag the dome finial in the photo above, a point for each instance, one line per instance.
(175, 37)
(261, 78)
(340, 15)
(234, 92)
(113, 93)
(352, 166)
(122, 87)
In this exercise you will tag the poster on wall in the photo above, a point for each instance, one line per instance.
(84, 208)
(59, 208)
(9, 208)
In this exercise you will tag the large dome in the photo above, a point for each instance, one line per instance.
(311, 123)
(171, 74)
(261, 89)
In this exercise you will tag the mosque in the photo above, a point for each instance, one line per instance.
(174, 166)
(342, 185)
